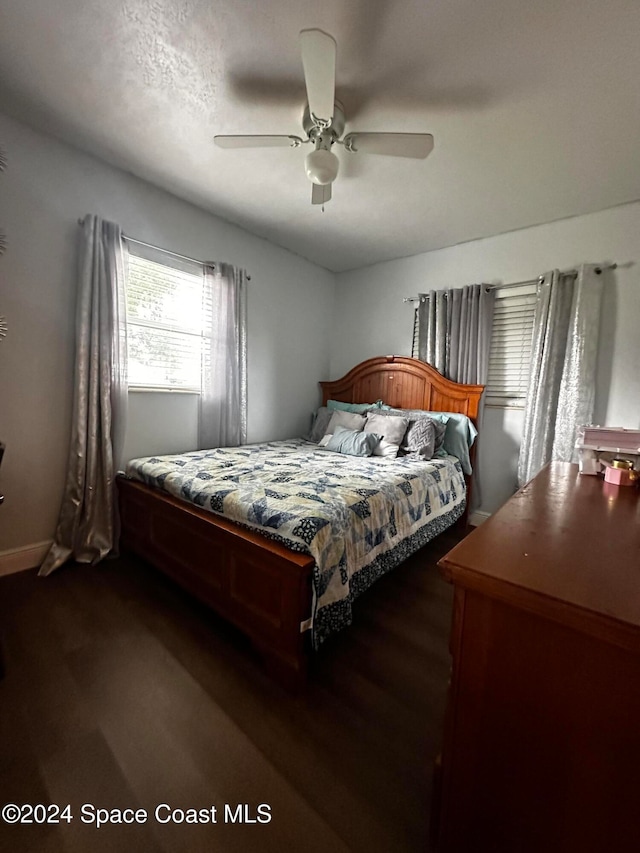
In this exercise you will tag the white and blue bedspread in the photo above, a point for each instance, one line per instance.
(357, 517)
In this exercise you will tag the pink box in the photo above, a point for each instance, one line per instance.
(619, 476)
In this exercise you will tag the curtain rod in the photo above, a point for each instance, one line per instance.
(166, 251)
(598, 270)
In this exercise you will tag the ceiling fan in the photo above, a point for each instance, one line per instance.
(324, 120)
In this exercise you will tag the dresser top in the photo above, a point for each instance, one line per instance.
(565, 538)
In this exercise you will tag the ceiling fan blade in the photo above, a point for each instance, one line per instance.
(257, 141)
(319, 63)
(320, 194)
(416, 145)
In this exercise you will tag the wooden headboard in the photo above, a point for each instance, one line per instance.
(403, 383)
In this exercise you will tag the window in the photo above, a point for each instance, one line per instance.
(510, 353)
(165, 321)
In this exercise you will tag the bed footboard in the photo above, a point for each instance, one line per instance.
(256, 584)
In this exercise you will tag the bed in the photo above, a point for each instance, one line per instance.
(285, 580)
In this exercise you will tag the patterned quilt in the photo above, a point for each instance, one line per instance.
(357, 517)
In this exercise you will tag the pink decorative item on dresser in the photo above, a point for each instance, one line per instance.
(620, 472)
(599, 447)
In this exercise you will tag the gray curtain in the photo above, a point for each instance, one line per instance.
(223, 400)
(564, 355)
(454, 329)
(88, 526)
(454, 336)
(432, 329)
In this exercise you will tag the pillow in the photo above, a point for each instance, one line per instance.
(350, 420)
(392, 430)
(440, 421)
(358, 408)
(420, 437)
(457, 434)
(320, 424)
(458, 438)
(323, 419)
(352, 442)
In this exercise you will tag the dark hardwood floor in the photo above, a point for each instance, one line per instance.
(121, 691)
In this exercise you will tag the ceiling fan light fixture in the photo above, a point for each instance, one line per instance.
(322, 166)
(324, 122)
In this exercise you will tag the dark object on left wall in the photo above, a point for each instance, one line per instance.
(3, 332)
(3, 236)
(2, 446)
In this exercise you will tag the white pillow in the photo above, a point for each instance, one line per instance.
(391, 428)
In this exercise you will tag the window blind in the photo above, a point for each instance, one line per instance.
(510, 352)
(165, 323)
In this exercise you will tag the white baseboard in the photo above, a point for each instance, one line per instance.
(477, 518)
(20, 559)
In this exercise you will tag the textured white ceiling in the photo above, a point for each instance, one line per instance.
(534, 106)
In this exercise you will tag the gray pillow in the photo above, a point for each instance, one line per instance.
(352, 442)
(350, 420)
(320, 424)
(413, 414)
(440, 429)
(420, 437)
(392, 430)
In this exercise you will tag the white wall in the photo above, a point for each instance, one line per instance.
(44, 190)
(297, 333)
(371, 318)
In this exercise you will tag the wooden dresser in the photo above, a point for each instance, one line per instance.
(542, 735)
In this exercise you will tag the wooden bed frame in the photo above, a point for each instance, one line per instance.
(259, 585)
